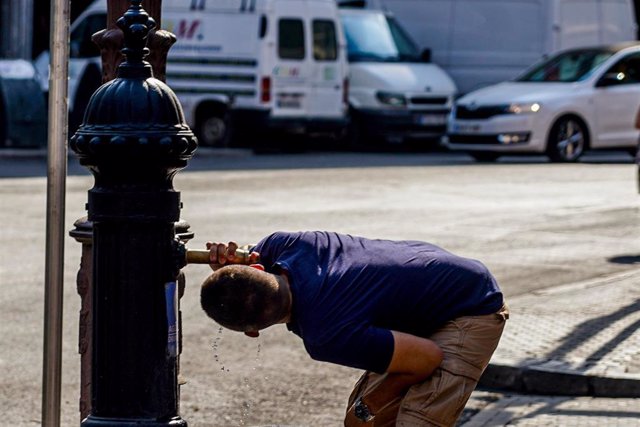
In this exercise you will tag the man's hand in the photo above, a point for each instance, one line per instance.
(221, 253)
(225, 253)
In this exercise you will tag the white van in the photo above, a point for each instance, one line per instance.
(261, 65)
(482, 42)
(394, 94)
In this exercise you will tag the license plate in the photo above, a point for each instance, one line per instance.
(431, 119)
(285, 100)
(466, 128)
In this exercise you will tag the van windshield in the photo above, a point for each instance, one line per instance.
(571, 66)
(377, 38)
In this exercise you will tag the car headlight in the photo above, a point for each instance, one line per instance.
(392, 99)
(523, 108)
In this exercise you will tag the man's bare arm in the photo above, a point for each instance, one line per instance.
(414, 359)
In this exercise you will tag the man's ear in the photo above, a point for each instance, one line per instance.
(257, 266)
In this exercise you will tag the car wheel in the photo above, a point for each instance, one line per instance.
(484, 156)
(213, 131)
(567, 140)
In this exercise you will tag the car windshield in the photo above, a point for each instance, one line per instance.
(571, 66)
(377, 38)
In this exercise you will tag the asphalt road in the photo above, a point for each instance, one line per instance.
(535, 224)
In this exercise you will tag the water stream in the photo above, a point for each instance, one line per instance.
(246, 385)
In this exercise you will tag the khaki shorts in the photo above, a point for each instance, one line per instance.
(468, 343)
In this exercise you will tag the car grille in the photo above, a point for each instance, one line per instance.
(464, 112)
(423, 100)
(473, 139)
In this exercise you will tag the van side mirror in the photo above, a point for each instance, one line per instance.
(425, 55)
(610, 79)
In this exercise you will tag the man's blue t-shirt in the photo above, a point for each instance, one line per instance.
(350, 292)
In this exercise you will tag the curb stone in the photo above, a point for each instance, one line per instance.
(528, 380)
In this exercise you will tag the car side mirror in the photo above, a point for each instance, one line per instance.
(425, 55)
(610, 79)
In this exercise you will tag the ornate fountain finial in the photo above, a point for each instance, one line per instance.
(136, 25)
(134, 116)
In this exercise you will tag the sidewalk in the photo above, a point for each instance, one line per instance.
(579, 339)
(554, 411)
(569, 356)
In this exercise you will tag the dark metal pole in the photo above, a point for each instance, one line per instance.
(134, 139)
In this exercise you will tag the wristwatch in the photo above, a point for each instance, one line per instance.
(362, 412)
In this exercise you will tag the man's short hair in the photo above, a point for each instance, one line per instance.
(241, 298)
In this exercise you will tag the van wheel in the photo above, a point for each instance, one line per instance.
(213, 131)
(567, 140)
(484, 156)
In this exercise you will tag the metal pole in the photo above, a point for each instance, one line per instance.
(56, 180)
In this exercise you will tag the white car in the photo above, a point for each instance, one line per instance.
(578, 99)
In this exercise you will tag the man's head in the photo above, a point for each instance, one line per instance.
(245, 299)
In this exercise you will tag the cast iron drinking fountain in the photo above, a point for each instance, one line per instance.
(134, 140)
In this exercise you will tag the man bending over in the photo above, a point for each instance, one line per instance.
(421, 321)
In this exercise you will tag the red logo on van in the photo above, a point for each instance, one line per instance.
(186, 29)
